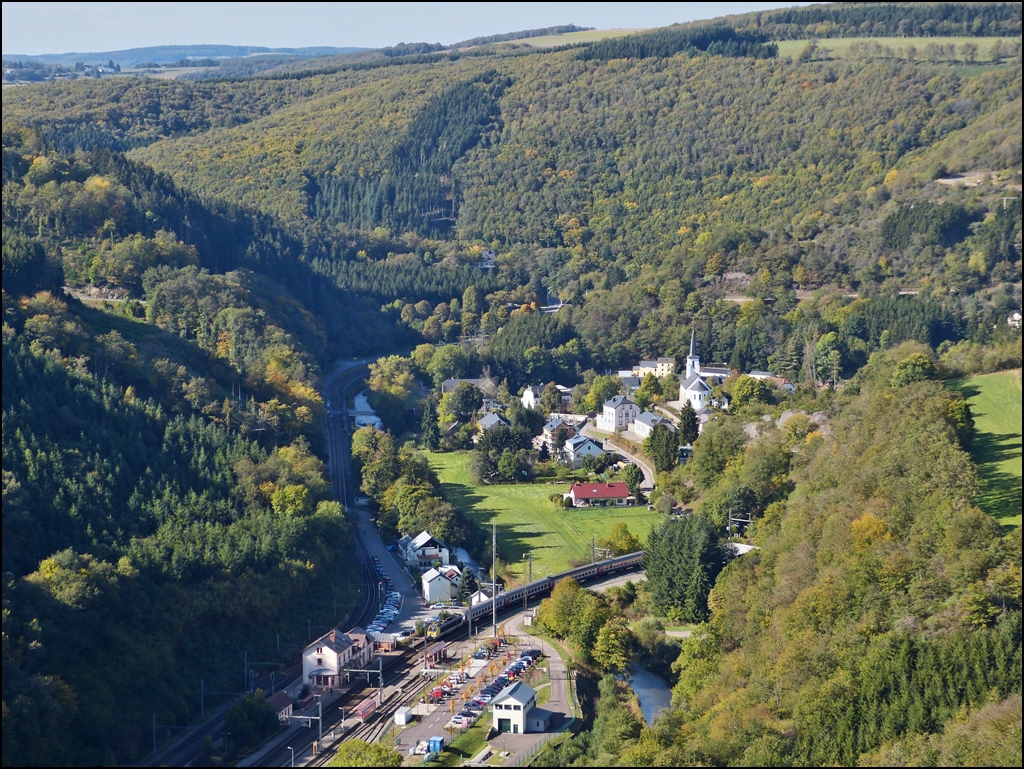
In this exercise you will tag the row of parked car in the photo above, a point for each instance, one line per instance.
(473, 709)
(392, 602)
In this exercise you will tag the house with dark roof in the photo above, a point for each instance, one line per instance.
(579, 448)
(423, 550)
(645, 423)
(490, 421)
(515, 711)
(325, 662)
(617, 414)
(603, 494)
(483, 384)
(283, 705)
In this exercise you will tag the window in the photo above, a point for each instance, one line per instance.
(516, 707)
(319, 662)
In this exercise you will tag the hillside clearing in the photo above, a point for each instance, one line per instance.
(839, 48)
(996, 404)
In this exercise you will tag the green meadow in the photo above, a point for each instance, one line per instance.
(529, 522)
(996, 405)
(839, 48)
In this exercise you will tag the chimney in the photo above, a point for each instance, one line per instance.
(334, 636)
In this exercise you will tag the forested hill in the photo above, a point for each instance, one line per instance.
(642, 186)
(836, 20)
(165, 501)
(830, 214)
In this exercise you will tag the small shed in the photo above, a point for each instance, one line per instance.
(403, 716)
(435, 744)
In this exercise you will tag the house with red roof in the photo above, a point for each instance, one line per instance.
(603, 494)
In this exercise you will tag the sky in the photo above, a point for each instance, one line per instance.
(36, 28)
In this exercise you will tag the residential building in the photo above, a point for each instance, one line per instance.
(565, 393)
(630, 384)
(481, 595)
(1013, 320)
(613, 494)
(773, 379)
(515, 711)
(660, 367)
(283, 706)
(437, 587)
(618, 413)
(645, 423)
(531, 396)
(551, 430)
(490, 421)
(326, 660)
(579, 448)
(484, 384)
(423, 550)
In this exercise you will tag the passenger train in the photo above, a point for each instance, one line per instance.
(514, 598)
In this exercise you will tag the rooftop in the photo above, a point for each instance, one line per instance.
(612, 490)
(517, 692)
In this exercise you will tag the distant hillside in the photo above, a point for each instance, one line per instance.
(880, 20)
(170, 53)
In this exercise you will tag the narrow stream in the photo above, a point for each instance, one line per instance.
(653, 693)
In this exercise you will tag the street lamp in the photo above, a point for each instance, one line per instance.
(293, 754)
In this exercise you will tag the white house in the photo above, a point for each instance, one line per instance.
(618, 414)
(423, 549)
(325, 661)
(579, 448)
(645, 423)
(604, 494)
(283, 706)
(565, 393)
(531, 396)
(481, 595)
(515, 711)
(436, 586)
(1013, 320)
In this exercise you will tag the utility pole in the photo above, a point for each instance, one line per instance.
(494, 580)
(592, 543)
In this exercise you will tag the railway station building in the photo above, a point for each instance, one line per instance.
(325, 662)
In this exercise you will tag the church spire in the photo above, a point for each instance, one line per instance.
(692, 361)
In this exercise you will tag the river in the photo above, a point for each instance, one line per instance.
(653, 693)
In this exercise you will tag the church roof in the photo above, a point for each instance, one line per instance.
(696, 384)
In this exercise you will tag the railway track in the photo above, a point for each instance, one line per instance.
(185, 750)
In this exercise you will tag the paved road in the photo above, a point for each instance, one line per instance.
(607, 445)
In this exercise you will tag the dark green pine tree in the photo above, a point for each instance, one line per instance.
(430, 430)
(689, 428)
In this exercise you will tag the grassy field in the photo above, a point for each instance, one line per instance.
(548, 41)
(840, 47)
(529, 522)
(996, 404)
